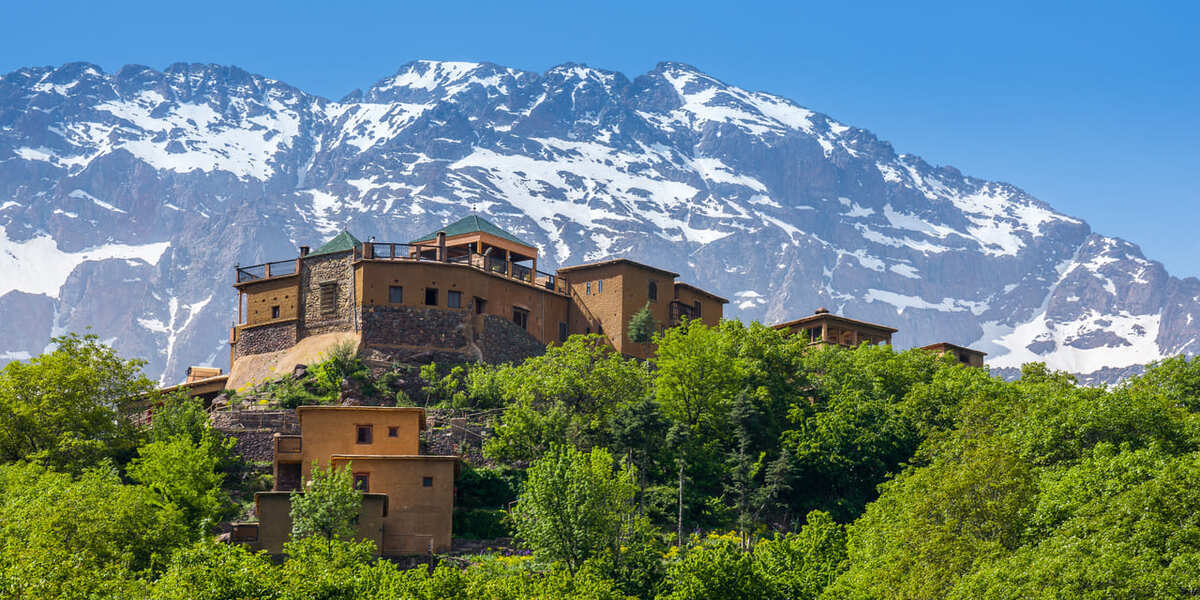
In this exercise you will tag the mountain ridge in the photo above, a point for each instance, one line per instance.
(161, 181)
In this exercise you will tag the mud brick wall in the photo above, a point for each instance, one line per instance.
(323, 269)
(267, 338)
(503, 341)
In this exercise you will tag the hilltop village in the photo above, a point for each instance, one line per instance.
(469, 292)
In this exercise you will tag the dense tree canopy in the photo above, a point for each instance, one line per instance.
(789, 471)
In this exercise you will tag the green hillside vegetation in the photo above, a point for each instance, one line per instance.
(737, 463)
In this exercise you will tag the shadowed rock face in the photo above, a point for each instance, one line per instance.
(126, 198)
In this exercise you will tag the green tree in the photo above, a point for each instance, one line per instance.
(211, 570)
(91, 536)
(569, 395)
(328, 507)
(64, 408)
(714, 568)
(697, 377)
(183, 473)
(641, 327)
(575, 505)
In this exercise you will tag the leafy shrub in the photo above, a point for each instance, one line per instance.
(481, 523)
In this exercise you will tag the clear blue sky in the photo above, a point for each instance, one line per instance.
(1093, 107)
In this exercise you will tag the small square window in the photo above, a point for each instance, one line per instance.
(395, 294)
(362, 434)
(393, 432)
(274, 312)
(521, 317)
(454, 299)
(362, 482)
(426, 482)
(431, 297)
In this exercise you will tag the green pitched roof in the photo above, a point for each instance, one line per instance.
(473, 224)
(342, 242)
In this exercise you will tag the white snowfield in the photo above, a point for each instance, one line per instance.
(595, 172)
(38, 266)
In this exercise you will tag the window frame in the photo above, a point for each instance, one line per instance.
(453, 299)
(275, 311)
(327, 297)
(395, 294)
(652, 291)
(427, 481)
(359, 429)
(393, 431)
(523, 313)
(365, 477)
(434, 292)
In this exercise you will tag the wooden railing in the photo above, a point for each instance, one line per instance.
(483, 262)
(266, 270)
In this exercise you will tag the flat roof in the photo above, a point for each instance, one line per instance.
(831, 316)
(616, 261)
(300, 410)
(943, 345)
(700, 291)
(436, 457)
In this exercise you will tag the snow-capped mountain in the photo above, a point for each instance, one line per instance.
(126, 199)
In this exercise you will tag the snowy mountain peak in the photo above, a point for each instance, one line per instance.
(121, 197)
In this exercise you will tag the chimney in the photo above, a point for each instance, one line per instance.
(441, 246)
(303, 250)
(821, 311)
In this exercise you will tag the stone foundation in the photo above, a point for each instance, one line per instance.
(407, 326)
(264, 339)
(502, 341)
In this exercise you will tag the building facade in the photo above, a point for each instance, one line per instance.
(408, 496)
(468, 292)
(825, 328)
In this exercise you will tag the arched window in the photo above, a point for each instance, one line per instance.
(653, 291)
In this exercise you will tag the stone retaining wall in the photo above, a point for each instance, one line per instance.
(282, 421)
(410, 326)
(255, 445)
(264, 339)
(503, 341)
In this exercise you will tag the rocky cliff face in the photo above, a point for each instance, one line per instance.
(126, 199)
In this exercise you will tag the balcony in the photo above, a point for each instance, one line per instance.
(462, 256)
(268, 270)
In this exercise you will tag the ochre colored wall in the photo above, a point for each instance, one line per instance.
(546, 309)
(275, 520)
(625, 291)
(414, 510)
(260, 297)
(325, 431)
